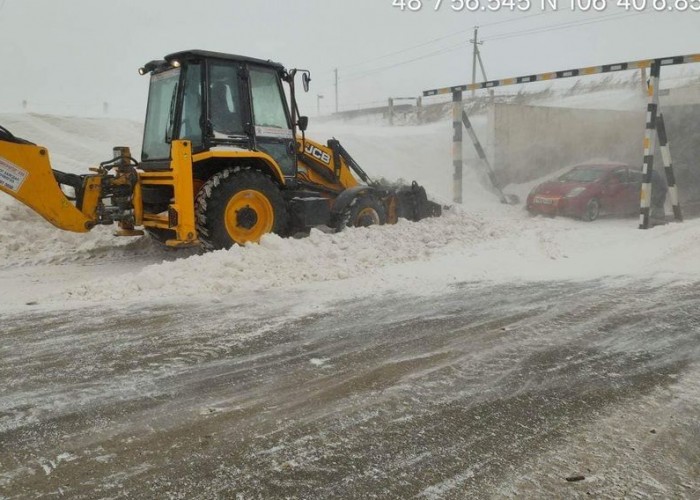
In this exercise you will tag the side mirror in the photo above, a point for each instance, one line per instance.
(303, 123)
(306, 80)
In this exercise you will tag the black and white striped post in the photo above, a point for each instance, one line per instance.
(649, 145)
(668, 168)
(482, 155)
(457, 161)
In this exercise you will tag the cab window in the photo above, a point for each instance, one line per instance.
(158, 130)
(268, 106)
(190, 123)
(224, 100)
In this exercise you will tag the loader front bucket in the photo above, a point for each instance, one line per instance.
(412, 203)
(25, 174)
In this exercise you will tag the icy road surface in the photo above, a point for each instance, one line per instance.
(483, 391)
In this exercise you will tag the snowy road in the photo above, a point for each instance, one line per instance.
(482, 391)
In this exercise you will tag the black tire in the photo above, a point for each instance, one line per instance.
(237, 206)
(592, 210)
(364, 211)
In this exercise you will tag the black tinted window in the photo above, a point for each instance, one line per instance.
(224, 100)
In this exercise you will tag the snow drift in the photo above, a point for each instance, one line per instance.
(481, 240)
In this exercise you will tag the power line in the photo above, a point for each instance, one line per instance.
(560, 26)
(502, 36)
(362, 74)
(439, 39)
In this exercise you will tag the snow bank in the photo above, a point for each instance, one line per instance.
(278, 262)
(74, 145)
(498, 246)
(479, 241)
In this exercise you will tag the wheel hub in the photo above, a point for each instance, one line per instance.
(246, 217)
(367, 217)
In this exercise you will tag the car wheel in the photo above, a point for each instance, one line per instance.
(592, 210)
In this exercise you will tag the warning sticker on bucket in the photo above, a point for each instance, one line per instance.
(11, 176)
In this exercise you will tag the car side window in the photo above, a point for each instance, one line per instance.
(619, 176)
(636, 176)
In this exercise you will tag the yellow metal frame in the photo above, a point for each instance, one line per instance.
(242, 154)
(180, 178)
(345, 177)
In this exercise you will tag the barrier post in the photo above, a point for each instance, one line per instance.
(457, 161)
(668, 168)
(649, 144)
(482, 155)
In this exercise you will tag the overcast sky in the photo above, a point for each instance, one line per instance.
(70, 56)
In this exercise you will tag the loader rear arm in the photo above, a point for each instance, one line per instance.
(25, 174)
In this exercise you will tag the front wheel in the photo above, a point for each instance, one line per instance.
(364, 211)
(237, 206)
(592, 210)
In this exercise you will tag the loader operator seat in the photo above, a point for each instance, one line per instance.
(224, 118)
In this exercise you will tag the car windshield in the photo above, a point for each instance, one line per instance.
(582, 175)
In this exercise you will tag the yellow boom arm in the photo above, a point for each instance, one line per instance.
(25, 174)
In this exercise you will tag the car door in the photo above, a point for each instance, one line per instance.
(633, 191)
(613, 194)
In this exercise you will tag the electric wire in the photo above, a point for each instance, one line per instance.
(569, 24)
(439, 39)
(502, 36)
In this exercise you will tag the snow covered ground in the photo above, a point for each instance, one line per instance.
(479, 240)
(339, 297)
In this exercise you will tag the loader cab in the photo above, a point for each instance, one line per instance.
(217, 101)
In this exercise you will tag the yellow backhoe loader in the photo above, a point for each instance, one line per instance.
(224, 161)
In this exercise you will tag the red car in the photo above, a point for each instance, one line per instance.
(587, 191)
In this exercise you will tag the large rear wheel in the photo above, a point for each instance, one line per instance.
(237, 206)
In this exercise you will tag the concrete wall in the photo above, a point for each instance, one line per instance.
(532, 141)
(683, 127)
(529, 142)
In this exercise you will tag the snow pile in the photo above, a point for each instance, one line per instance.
(27, 238)
(500, 246)
(480, 241)
(74, 145)
(408, 153)
(278, 262)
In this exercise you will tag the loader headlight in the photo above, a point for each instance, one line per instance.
(175, 64)
(148, 67)
(575, 192)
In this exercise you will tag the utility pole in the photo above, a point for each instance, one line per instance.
(475, 53)
(483, 71)
(336, 90)
(477, 57)
(318, 104)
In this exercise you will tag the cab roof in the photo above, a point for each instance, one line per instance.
(205, 54)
